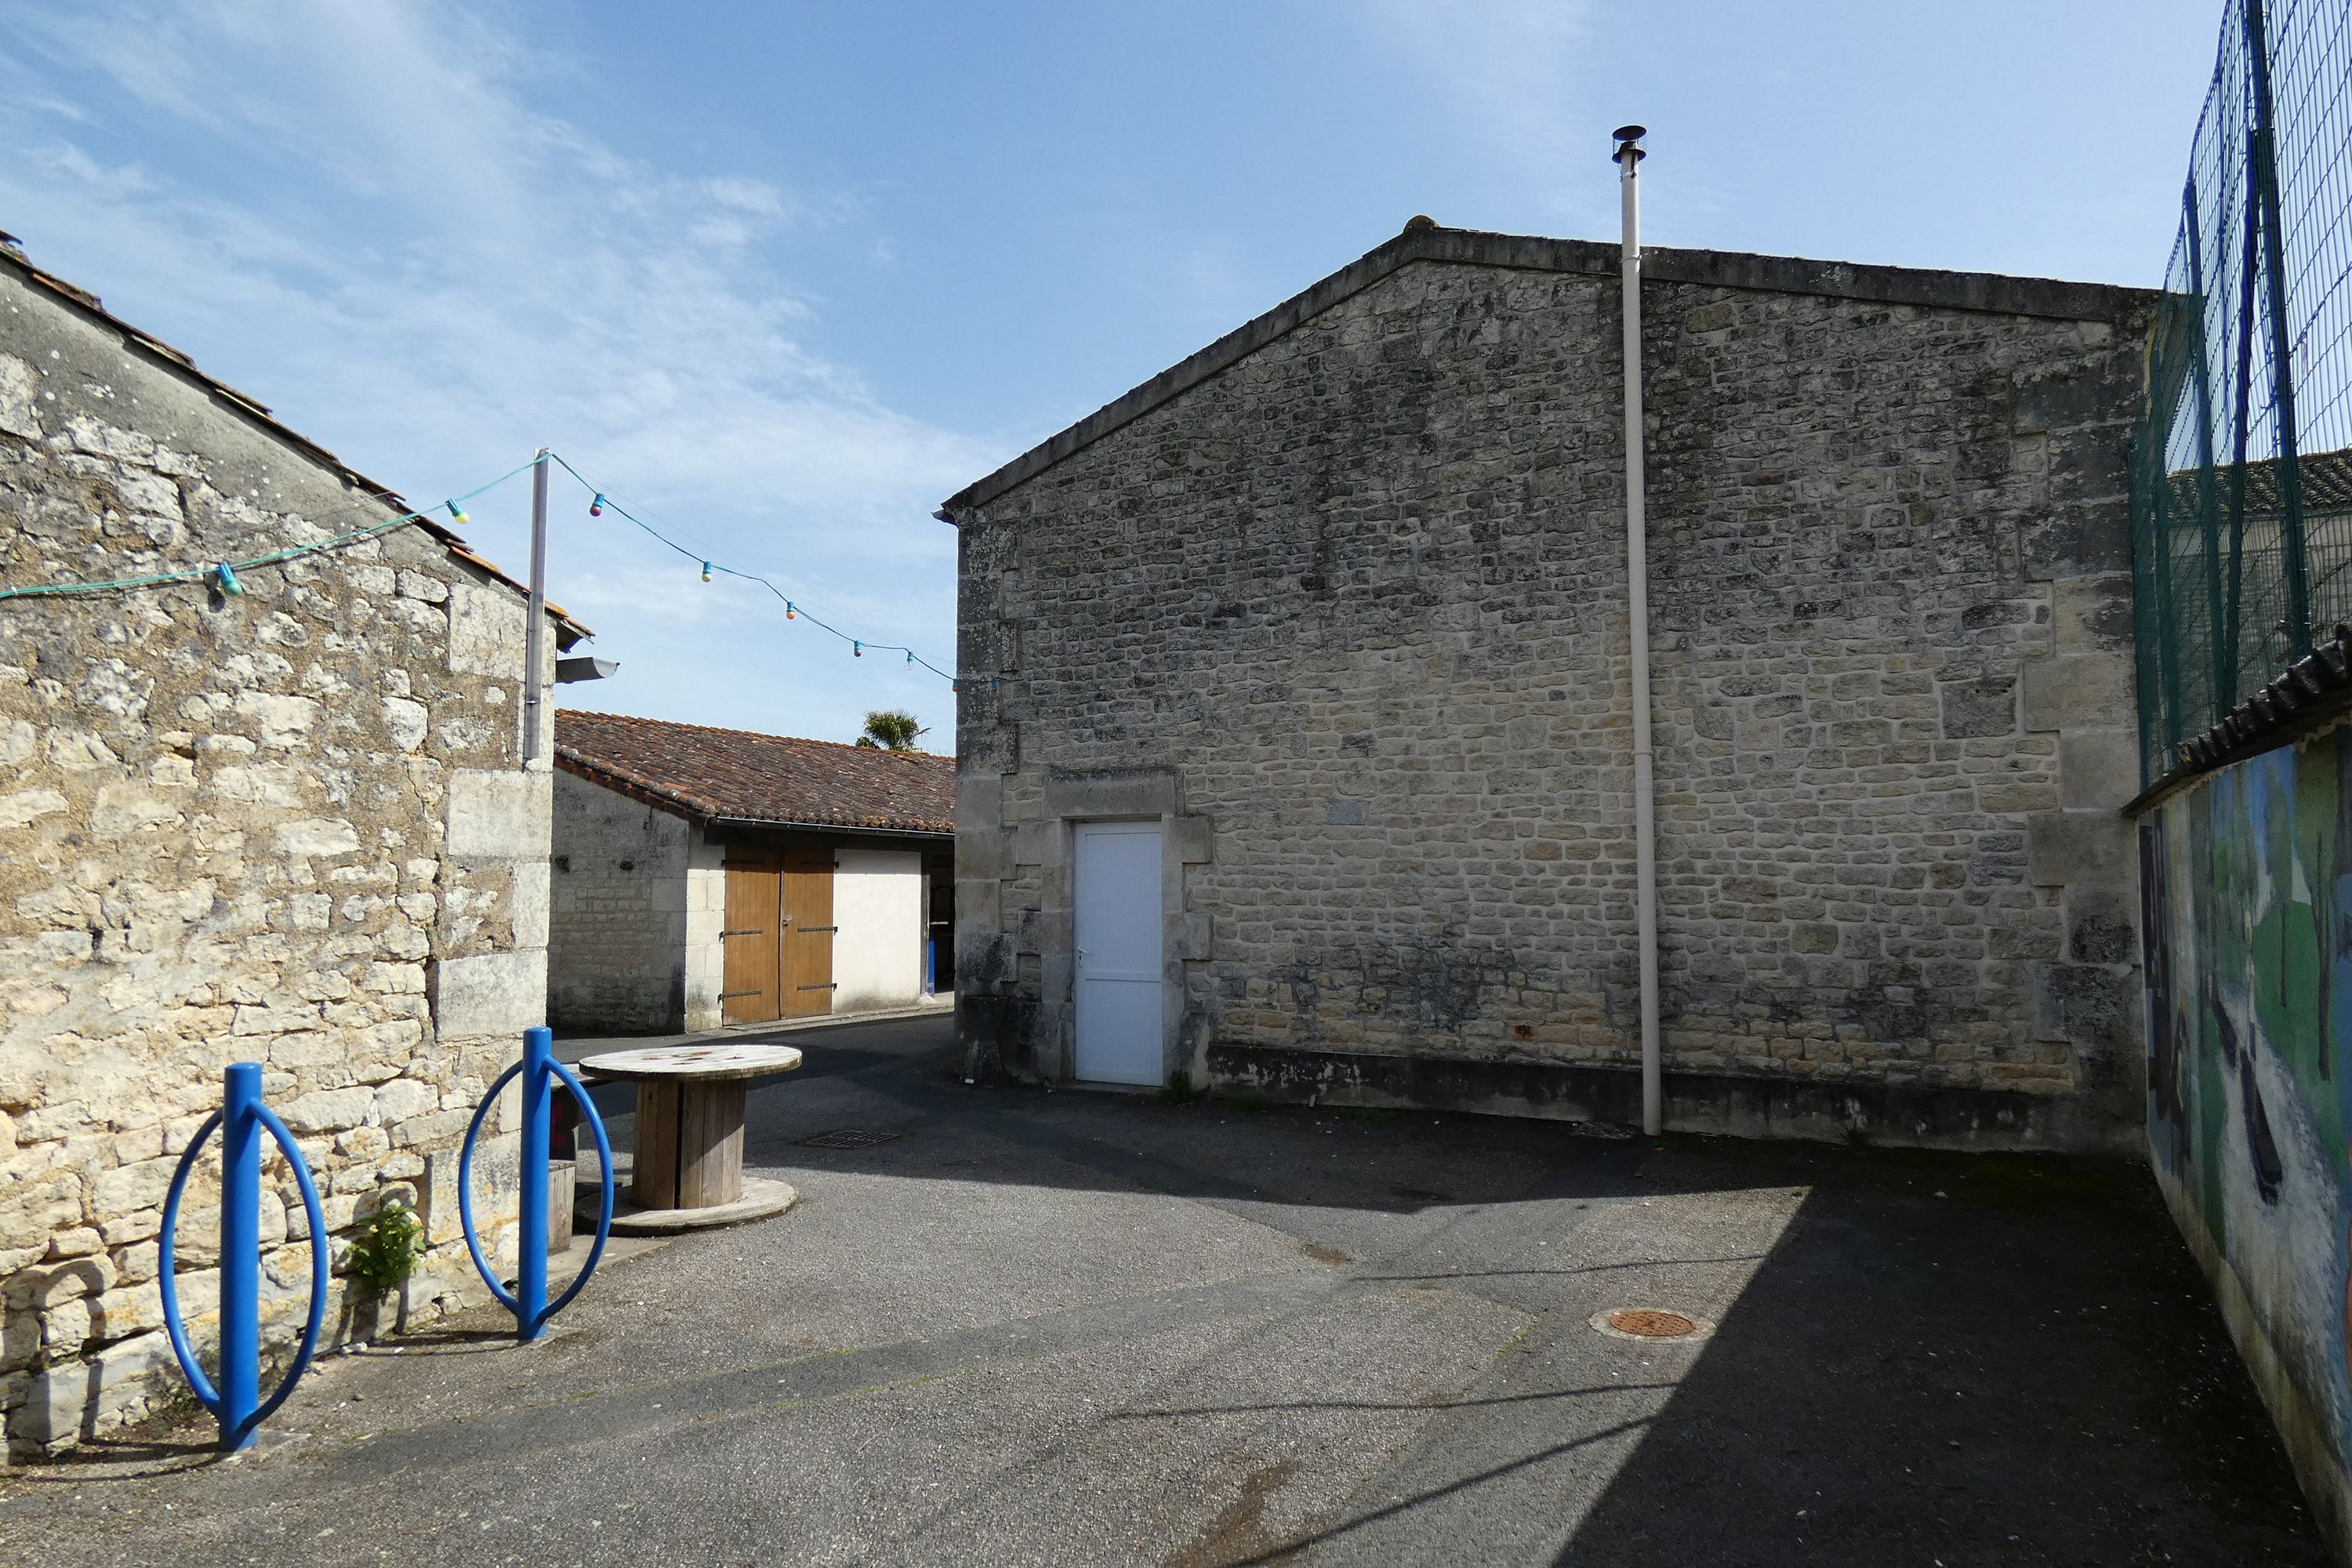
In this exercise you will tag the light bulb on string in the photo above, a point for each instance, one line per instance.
(225, 577)
(457, 513)
(596, 508)
(788, 609)
(706, 571)
(856, 648)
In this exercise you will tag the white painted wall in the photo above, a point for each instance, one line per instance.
(877, 953)
(706, 914)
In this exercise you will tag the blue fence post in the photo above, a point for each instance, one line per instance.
(932, 966)
(241, 1120)
(240, 1255)
(540, 1072)
(530, 1244)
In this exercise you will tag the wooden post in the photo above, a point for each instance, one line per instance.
(709, 1143)
(655, 1184)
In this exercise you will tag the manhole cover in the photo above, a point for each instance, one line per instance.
(847, 1138)
(1651, 1323)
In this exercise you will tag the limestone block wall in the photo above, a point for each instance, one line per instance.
(291, 825)
(1354, 604)
(618, 958)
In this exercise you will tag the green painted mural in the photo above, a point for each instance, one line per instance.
(2246, 886)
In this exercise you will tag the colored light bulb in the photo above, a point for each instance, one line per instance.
(596, 508)
(857, 650)
(456, 512)
(706, 571)
(226, 577)
(788, 609)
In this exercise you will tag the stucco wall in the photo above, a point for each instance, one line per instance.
(2249, 879)
(878, 902)
(616, 953)
(290, 826)
(1351, 613)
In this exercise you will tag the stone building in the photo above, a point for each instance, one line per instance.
(290, 824)
(1294, 737)
(706, 877)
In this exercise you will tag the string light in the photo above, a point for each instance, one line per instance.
(793, 608)
(223, 574)
(213, 569)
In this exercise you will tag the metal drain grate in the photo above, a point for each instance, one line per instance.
(847, 1138)
(1651, 1323)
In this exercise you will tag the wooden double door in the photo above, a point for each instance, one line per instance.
(778, 933)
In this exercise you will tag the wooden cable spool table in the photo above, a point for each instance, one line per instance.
(687, 1169)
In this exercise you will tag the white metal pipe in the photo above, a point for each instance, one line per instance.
(1637, 607)
(535, 671)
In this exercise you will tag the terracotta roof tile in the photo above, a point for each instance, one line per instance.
(702, 773)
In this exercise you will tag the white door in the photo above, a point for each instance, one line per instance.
(1118, 924)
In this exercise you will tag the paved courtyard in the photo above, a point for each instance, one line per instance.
(1059, 1328)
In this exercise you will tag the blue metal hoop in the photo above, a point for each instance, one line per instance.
(466, 1196)
(167, 1285)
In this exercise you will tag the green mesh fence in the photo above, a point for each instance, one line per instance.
(2242, 465)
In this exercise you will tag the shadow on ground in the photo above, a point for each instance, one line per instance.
(1083, 1328)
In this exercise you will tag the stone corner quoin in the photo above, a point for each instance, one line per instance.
(1350, 586)
(291, 827)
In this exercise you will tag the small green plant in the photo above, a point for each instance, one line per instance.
(388, 1245)
(1178, 1090)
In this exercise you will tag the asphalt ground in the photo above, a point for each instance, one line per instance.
(1081, 1328)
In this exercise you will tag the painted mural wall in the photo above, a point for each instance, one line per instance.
(2246, 880)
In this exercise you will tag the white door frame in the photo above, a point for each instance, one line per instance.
(1120, 1018)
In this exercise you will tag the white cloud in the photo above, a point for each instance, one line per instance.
(353, 211)
(1510, 70)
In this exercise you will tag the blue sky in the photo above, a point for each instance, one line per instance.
(787, 276)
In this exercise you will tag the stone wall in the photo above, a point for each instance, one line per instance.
(618, 963)
(1342, 600)
(291, 827)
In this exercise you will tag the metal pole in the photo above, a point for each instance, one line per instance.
(534, 673)
(1628, 157)
(530, 1242)
(240, 1255)
(2287, 467)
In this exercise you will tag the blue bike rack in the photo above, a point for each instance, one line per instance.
(241, 1120)
(528, 1301)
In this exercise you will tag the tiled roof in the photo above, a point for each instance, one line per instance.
(704, 773)
(2312, 692)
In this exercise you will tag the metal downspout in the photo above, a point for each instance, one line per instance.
(1628, 156)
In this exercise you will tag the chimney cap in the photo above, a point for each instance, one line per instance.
(1629, 132)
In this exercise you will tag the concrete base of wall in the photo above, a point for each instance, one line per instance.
(1722, 1104)
(2326, 1488)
